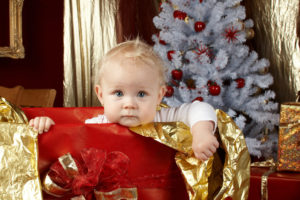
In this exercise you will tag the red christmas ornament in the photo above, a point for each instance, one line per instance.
(203, 50)
(200, 1)
(169, 54)
(199, 26)
(177, 74)
(214, 90)
(240, 82)
(169, 91)
(160, 41)
(198, 99)
(231, 34)
(179, 15)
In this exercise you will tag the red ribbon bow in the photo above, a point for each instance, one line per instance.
(95, 170)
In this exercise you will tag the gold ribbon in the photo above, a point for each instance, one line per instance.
(117, 194)
(264, 183)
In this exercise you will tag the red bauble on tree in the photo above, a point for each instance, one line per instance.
(200, 1)
(240, 82)
(177, 74)
(169, 91)
(198, 99)
(169, 54)
(179, 14)
(214, 88)
(199, 26)
(160, 40)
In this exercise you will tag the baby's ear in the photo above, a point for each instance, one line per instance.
(98, 91)
(162, 92)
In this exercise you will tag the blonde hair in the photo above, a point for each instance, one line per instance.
(137, 50)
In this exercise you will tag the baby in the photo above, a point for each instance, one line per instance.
(130, 84)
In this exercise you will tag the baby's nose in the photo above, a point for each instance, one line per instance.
(129, 103)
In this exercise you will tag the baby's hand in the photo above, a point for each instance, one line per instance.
(41, 124)
(204, 143)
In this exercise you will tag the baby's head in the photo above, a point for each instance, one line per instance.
(130, 83)
(135, 50)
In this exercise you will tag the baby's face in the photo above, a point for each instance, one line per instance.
(130, 93)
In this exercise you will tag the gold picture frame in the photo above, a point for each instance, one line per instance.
(15, 49)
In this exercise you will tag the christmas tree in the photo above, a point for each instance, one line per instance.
(203, 43)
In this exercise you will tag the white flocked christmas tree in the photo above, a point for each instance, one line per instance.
(203, 45)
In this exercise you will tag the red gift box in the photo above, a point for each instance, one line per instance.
(152, 165)
(280, 185)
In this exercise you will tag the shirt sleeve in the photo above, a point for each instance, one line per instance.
(100, 119)
(188, 113)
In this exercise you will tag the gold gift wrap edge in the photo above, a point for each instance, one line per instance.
(226, 174)
(19, 155)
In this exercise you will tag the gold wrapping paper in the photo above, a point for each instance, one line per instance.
(19, 176)
(226, 174)
(276, 26)
(18, 166)
(289, 137)
(11, 113)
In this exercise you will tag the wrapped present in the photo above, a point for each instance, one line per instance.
(152, 170)
(19, 160)
(289, 137)
(267, 183)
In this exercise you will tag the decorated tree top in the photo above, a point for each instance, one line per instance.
(203, 45)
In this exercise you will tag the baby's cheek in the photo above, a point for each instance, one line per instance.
(149, 116)
(111, 116)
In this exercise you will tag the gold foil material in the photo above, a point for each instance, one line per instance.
(89, 32)
(226, 174)
(18, 155)
(275, 26)
(69, 165)
(18, 166)
(267, 163)
(118, 194)
(174, 134)
(289, 137)
(11, 113)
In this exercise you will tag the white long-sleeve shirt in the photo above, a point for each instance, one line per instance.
(188, 113)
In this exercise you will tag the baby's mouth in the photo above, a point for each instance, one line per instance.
(129, 116)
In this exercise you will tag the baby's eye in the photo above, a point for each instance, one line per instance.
(118, 93)
(141, 94)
